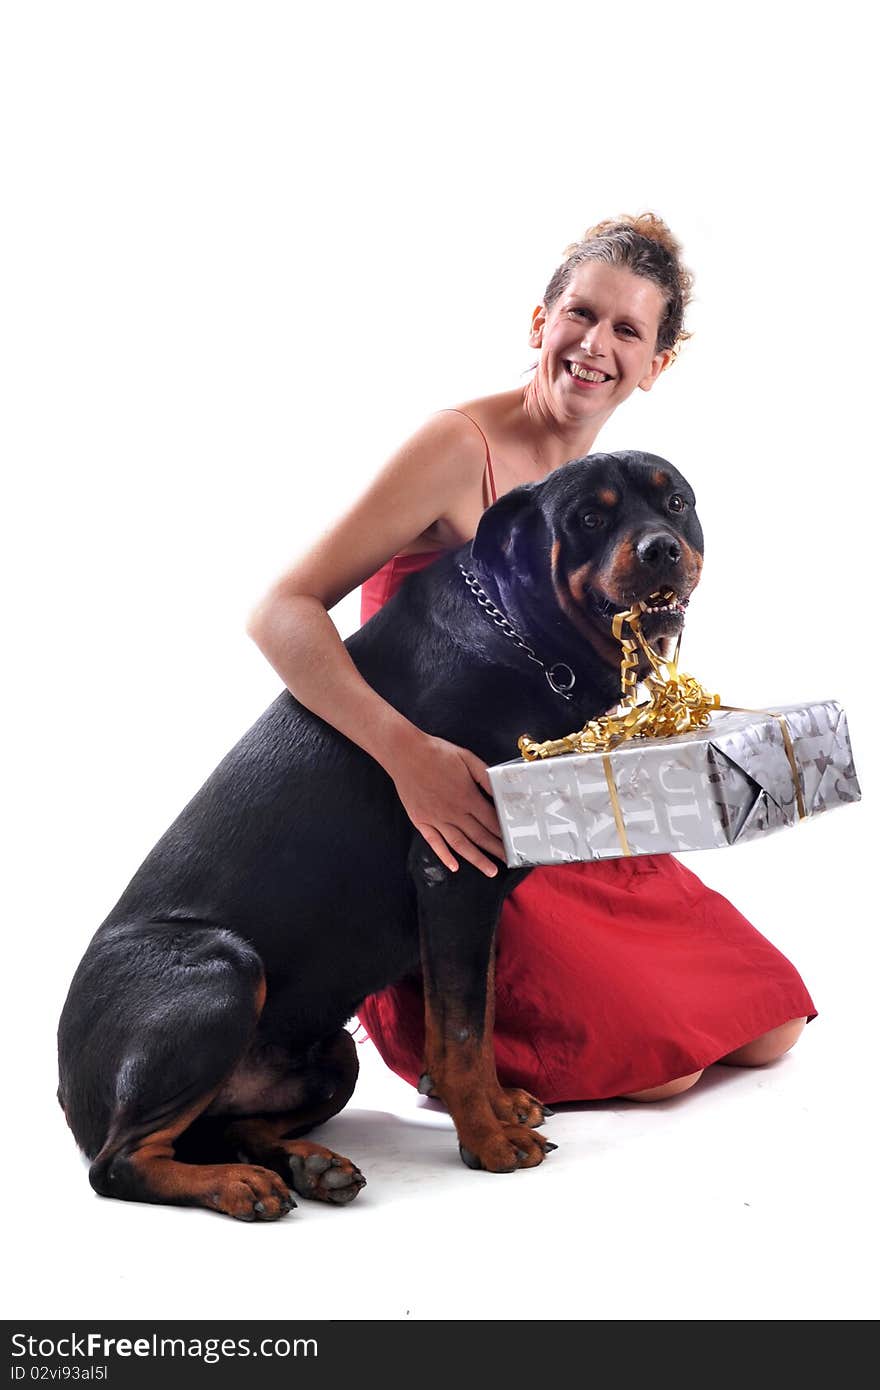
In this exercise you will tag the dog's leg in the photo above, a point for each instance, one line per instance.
(158, 1016)
(273, 1140)
(458, 913)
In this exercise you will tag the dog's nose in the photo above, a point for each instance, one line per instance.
(657, 549)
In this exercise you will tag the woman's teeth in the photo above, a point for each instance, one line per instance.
(585, 374)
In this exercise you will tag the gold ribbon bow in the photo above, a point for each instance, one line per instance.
(676, 702)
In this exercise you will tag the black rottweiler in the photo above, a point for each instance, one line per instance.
(203, 1033)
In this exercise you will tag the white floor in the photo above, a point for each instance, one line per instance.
(754, 1196)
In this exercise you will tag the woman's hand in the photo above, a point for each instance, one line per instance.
(439, 785)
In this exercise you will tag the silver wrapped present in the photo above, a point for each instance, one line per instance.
(748, 773)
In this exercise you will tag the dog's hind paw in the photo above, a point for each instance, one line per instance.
(247, 1192)
(322, 1175)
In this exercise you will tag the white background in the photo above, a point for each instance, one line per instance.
(246, 249)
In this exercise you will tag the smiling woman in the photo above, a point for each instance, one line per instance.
(615, 978)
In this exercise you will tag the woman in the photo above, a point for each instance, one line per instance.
(623, 977)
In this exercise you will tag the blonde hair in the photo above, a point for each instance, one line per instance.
(646, 246)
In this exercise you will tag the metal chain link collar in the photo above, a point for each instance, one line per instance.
(560, 677)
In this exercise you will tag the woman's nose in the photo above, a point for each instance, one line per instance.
(593, 341)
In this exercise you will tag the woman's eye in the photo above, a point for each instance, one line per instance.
(625, 328)
(676, 503)
(594, 519)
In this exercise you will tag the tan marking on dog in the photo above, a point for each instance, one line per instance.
(693, 565)
(608, 496)
(260, 994)
(623, 574)
(462, 1068)
(464, 1076)
(570, 594)
(572, 585)
(160, 1144)
(152, 1156)
(579, 581)
(660, 479)
(233, 1188)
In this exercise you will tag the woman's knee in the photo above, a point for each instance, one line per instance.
(767, 1047)
(667, 1090)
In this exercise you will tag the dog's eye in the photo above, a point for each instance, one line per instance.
(676, 503)
(593, 519)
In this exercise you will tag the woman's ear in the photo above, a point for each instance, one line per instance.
(659, 362)
(536, 333)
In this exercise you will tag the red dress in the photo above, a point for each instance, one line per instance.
(611, 976)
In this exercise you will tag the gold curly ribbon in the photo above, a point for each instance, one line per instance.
(676, 702)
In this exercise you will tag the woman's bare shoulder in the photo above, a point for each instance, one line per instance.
(428, 487)
(489, 412)
(448, 434)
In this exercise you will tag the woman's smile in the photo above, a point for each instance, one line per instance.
(587, 377)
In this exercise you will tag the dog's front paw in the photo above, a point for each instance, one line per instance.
(512, 1147)
(515, 1107)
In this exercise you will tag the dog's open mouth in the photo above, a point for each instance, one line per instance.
(663, 600)
(663, 618)
(660, 601)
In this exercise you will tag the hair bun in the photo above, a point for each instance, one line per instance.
(647, 224)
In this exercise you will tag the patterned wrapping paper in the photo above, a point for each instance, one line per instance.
(716, 786)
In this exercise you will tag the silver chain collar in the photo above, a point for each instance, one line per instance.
(560, 678)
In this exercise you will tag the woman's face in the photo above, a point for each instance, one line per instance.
(598, 340)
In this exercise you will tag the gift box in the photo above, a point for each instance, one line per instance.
(745, 774)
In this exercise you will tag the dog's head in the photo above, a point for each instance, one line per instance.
(597, 536)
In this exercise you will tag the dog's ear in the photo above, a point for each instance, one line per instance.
(510, 532)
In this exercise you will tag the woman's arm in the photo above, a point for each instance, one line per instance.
(434, 475)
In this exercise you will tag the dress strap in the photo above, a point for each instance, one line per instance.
(489, 474)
